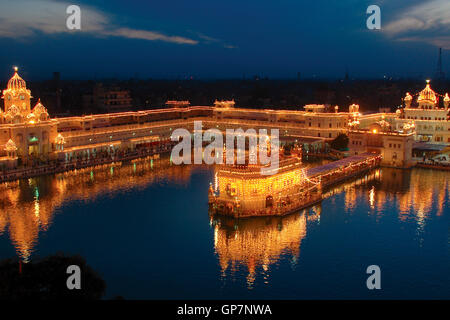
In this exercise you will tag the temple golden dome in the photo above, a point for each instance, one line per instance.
(427, 94)
(16, 82)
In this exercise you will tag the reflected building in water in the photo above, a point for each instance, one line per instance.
(413, 192)
(415, 195)
(27, 207)
(257, 244)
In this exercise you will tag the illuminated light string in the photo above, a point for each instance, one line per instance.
(277, 195)
(368, 161)
(280, 197)
(315, 184)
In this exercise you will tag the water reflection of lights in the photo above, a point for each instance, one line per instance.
(372, 197)
(259, 242)
(36, 202)
(27, 207)
(416, 193)
(349, 186)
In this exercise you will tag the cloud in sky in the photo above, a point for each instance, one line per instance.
(25, 18)
(208, 39)
(147, 35)
(427, 22)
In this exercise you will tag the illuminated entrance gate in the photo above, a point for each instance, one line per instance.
(33, 146)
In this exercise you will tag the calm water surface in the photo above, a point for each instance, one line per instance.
(145, 228)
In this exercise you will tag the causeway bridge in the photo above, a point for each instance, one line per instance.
(340, 170)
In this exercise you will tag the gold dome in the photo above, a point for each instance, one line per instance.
(446, 98)
(427, 94)
(16, 82)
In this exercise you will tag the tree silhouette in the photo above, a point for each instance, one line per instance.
(46, 279)
(340, 142)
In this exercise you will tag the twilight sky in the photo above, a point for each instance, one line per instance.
(223, 39)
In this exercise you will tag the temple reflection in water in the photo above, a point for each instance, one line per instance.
(28, 206)
(254, 245)
(258, 242)
(414, 192)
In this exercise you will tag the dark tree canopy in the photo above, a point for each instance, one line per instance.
(340, 142)
(46, 279)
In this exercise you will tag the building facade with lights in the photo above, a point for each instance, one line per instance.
(242, 191)
(29, 136)
(25, 132)
(394, 147)
(430, 114)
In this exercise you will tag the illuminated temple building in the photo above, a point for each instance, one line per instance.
(428, 113)
(28, 134)
(394, 137)
(243, 191)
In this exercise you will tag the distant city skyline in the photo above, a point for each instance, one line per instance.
(232, 39)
